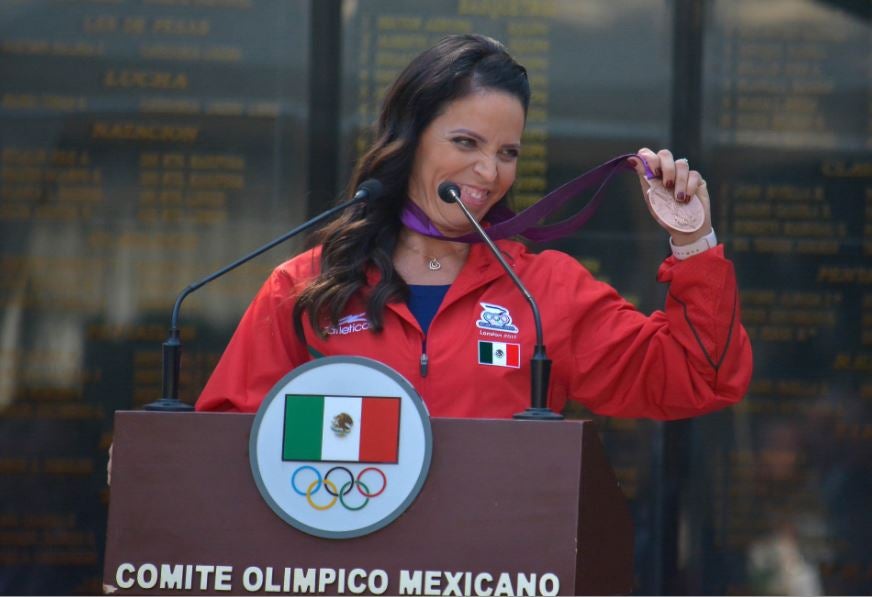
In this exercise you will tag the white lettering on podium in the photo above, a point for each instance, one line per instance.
(146, 576)
(525, 585)
(452, 584)
(410, 582)
(353, 585)
(171, 577)
(326, 576)
(204, 570)
(269, 585)
(223, 578)
(547, 579)
(504, 586)
(304, 582)
(215, 578)
(120, 580)
(479, 584)
(378, 582)
(252, 579)
(432, 580)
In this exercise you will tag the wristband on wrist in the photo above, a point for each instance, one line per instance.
(701, 245)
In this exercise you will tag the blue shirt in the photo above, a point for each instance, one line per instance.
(424, 301)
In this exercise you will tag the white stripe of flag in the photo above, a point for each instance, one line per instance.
(341, 447)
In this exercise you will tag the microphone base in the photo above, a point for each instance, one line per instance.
(538, 414)
(168, 405)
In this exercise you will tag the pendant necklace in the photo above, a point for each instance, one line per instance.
(433, 262)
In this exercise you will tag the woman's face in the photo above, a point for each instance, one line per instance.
(474, 143)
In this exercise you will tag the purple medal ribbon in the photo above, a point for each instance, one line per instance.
(505, 223)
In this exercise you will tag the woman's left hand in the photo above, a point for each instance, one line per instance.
(677, 177)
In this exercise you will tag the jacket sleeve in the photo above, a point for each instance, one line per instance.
(263, 349)
(692, 358)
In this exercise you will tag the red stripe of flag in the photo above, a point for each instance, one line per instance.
(379, 429)
(513, 355)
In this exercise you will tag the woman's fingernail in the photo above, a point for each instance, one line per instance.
(670, 184)
(680, 196)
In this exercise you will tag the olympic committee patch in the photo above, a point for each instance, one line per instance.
(340, 447)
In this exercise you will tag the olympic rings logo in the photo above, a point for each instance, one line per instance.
(344, 490)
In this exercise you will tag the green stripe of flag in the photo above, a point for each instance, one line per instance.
(304, 417)
(485, 353)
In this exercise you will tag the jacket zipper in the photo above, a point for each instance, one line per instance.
(425, 360)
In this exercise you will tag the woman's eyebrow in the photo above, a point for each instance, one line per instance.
(468, 132)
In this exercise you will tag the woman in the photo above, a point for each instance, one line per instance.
(445, 315)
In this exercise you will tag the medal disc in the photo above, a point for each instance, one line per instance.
(684, 217)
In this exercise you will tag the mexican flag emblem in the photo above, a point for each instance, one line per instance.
(499, 354)
(341, 428)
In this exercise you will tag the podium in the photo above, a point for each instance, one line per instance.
(509, 507)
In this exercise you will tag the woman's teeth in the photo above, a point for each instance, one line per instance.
(473, 194)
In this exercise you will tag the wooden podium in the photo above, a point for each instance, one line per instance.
(531, 503)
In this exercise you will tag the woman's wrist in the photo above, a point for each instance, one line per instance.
(684, 249)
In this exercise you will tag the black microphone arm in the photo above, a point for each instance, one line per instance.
(540, 364)
(172, 347)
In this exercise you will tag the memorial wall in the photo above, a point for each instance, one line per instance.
(787, 137)
(145, 143)
(142, 145)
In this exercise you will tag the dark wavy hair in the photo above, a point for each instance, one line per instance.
(366, 235)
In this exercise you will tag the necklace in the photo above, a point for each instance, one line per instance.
(433, 261)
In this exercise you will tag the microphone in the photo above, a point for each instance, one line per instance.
(369, 189)
(540, 364)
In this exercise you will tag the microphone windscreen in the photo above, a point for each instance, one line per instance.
(448, 191)
(372, 187)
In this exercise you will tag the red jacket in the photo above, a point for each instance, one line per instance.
(691, 359)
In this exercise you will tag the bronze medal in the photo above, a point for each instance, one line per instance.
(683, 217)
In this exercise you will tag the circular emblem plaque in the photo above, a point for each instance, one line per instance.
(340, 447)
